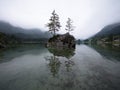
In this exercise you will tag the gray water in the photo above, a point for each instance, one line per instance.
(34, 67)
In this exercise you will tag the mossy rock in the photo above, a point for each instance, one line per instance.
(65, 40)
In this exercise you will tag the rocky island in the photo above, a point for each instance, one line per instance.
(62, 41)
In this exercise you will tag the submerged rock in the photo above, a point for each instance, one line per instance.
(62, 41)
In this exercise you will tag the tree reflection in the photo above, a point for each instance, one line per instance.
(68, 64)
(55, 62)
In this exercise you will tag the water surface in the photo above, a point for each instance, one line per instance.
(34, 67)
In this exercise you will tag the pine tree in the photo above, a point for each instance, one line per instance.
(54, 24)
(69, 26)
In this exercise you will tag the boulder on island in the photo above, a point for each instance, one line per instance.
(64, 41)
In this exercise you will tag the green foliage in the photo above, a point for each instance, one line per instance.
(54, 24)
(69, 26)
(54, 38)
(7, 40)
(68, 39)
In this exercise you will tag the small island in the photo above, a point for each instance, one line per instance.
(64, 41)
(60, 40)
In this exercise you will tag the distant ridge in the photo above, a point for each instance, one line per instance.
(109, 35)
(19, 32)
(113, 29)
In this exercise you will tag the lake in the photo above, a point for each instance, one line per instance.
(34, 67)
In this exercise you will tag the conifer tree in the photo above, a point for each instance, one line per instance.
(54, 24)
(69, 26)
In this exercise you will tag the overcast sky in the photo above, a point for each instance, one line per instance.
(89, 16)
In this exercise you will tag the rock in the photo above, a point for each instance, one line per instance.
(2, 46)
(62, 41)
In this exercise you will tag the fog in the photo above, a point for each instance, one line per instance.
(89, 16)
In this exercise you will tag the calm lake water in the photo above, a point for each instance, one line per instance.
(34, 67)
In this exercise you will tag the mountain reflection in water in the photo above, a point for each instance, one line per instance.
(34, 67)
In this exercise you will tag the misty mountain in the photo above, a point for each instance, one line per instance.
(18, 32)
(113, 29)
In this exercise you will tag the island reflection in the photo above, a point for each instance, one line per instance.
(55, 62)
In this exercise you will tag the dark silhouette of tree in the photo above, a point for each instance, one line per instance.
(54, 24)
(69, 26)
(68, 64)
(54, 64)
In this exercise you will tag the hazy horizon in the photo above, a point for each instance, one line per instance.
(89, 17)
